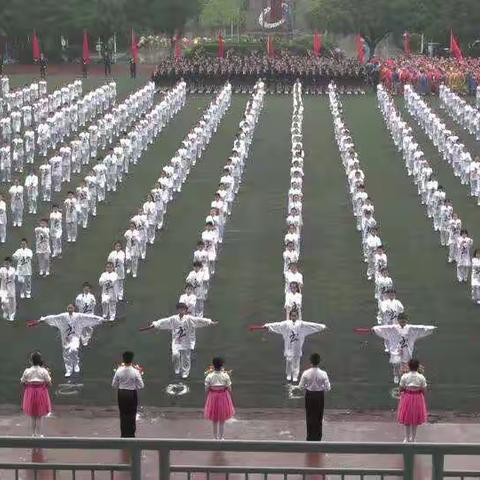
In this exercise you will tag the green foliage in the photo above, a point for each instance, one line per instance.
(218, 14)
(377, 18)
(101, 18)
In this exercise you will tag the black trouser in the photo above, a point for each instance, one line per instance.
(127, 404)
(314, 403)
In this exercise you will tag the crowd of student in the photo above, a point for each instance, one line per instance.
(80, 204)
(76, 327)
(439, 208)
(281, 70)
(461, 111)
(426, 74)
(190, 307)
(399, 336)
(293, 329)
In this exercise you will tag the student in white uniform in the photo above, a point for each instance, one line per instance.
(475, 278)
(31, 188)
(117, 257)
(16, 203)
(294, 332)
(71, 326)
(182, 327)
(45, 172)
(8, 294)
(42, 247)
(108, 282)
(3, 219)
(85, 303)
(23, 261)
(464, 255)
(132, 249)
(71, 217)
(401, 339)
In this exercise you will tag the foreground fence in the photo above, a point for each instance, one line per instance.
(145, 459)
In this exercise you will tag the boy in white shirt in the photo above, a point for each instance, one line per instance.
(16, 203)
(108, 282)
(31, 187)
(42, 247)
(71, 217)
(3, 220)
(23, 260)
(183, 328)
(132, 249)
(294, 332)
(8, 290)
(85, 303)
(117, 257)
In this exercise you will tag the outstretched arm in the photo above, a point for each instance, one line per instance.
(200, 322)
(311, 327)
(161, 324)
(419, 331)
(387, 332)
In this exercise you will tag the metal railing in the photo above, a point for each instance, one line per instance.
(265, 466)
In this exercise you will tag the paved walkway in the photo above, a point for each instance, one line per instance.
(284, 424)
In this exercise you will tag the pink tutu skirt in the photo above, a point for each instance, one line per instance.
(412, 408)
(219, 406)
(36, 400)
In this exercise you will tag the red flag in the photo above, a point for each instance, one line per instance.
(270, 48)
(360, 48)
(406, 43)
(85, 49)
(317, 43)
(35, 47)
(178, 47)
(455, 49)
(134, 47)
(221, 46)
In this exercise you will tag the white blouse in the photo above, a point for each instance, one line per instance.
(217, 379)
(36, 374)
(413, 380)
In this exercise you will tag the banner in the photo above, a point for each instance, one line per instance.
(134, 47)
(221, 46)
(406, 43)
(178, 47)
(360, 48)
(35, 47)
(270, 48)
(455, 49)
(85, 49)
(317, 43)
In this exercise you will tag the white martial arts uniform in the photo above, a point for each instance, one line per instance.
(71, 327)
(294, 334)
(183, 329)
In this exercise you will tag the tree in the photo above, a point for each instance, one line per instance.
(218, 14)
(371, 18)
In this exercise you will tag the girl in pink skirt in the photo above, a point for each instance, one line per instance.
(36, 400)
(218, 406)
(412, 408)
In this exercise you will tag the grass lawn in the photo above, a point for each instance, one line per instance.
(248, 285)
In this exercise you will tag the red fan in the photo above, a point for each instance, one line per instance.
(254, 328)
(362, 331)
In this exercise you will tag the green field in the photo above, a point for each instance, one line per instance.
(248, 286)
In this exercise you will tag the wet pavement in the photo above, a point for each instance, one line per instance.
(249, 424)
